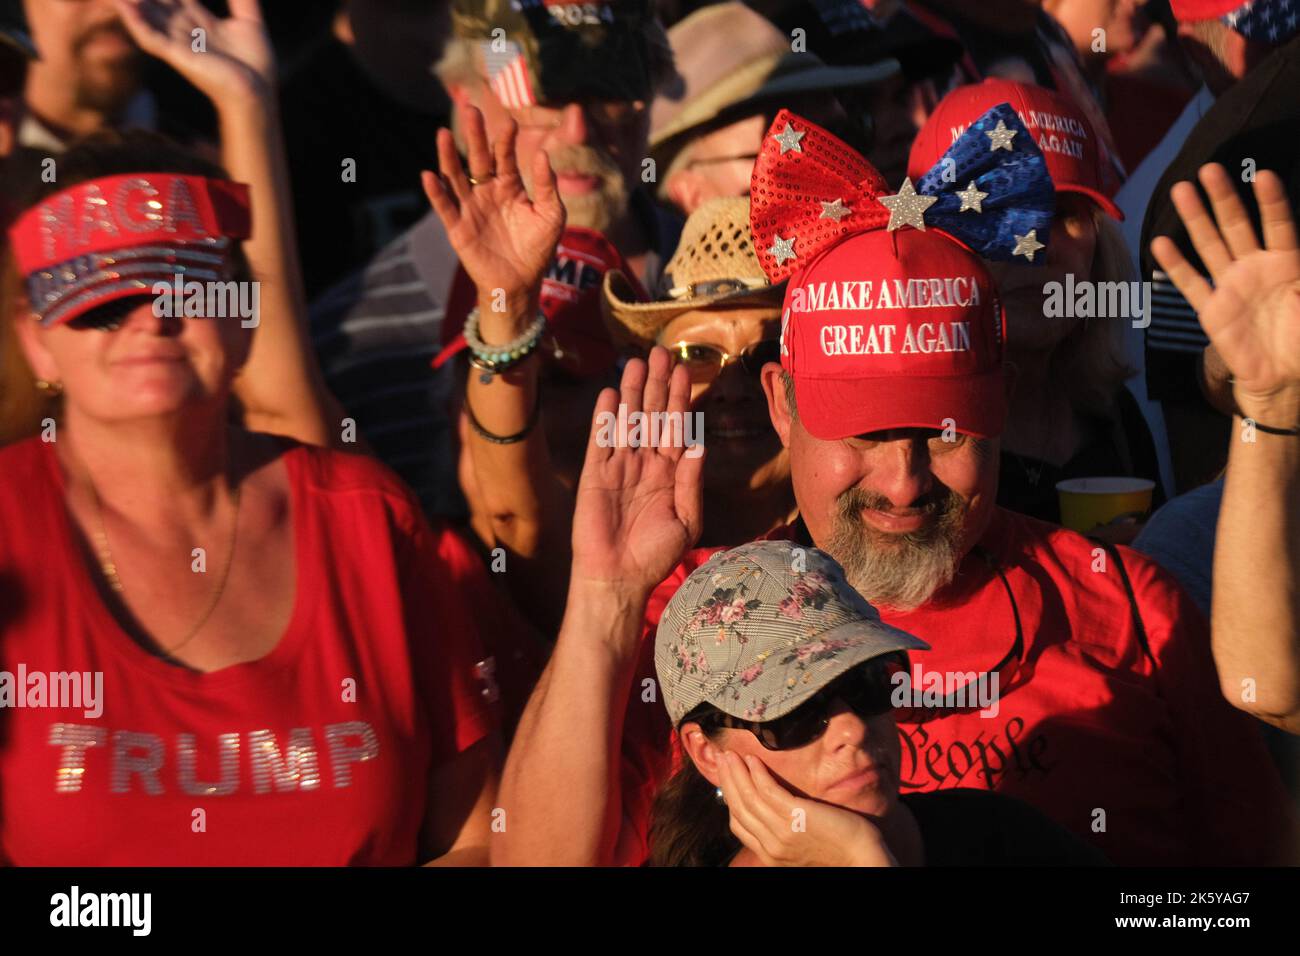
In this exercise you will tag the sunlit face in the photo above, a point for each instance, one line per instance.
(149, 366)
(720, 162)
(898, 509)
(854, 764)
(1081, 19)
(1071, 249)
(743, 449)
(83, 44)
(595, 148)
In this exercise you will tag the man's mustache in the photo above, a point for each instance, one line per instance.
(112, 27)
(937, 501)
(582, 161)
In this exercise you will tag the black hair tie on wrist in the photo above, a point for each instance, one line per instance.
(506, 439)
(1270, 430)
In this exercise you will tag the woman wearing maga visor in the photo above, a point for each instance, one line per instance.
(285, 648)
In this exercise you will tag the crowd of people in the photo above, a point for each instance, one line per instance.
(766, 433)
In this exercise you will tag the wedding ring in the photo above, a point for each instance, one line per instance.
(480, 180)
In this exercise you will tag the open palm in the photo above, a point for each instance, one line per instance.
(1251, 313)
(638, 508)
(504, 239)
(229, 54)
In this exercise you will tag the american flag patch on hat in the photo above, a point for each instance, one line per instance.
(507, 72)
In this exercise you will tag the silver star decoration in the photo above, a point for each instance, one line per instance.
(783, 249)
(907, 207)
(789, 139)
(834, 210)
(971, 198)
(1000, 137)
(1027, 245)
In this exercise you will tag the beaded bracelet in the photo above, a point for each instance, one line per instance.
(495, 359)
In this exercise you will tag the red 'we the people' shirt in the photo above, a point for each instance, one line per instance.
(1143, 759)
(288, 765)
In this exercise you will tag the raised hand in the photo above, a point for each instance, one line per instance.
(638, 508)
(1252, 311)
(763, 816)
(504, 239)
(235, 55)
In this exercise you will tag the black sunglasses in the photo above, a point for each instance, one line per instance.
(108, 317)
(867, 690)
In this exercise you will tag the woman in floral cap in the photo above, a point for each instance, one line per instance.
(782, 684)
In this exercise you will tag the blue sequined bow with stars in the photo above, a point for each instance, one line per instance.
(991, 189)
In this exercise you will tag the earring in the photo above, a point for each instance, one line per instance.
(717, 795)
(52, 389)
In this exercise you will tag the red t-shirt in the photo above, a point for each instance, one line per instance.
(289, 765)
(1146, 761)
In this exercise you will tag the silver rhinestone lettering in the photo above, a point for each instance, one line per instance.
(343, 754)
(56, 222)
(141, 216)
(298, 769)
(181, 209)
(126, 763)
(187, 753)
(94, 215)
(75, 739)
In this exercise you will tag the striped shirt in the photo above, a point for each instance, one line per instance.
(376, 332)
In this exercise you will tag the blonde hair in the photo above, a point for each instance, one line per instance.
(22, 405)
(1089, 362)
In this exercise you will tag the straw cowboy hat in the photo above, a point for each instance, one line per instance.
(714, 266)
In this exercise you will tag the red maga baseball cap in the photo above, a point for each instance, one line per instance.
(898, 329)
(1075, 155)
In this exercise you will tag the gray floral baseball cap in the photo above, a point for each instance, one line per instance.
(757, 630)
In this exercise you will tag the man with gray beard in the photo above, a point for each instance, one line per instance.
(900, 570)
(576, 80)
(1108, 710)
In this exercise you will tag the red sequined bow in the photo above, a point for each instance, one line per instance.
(808, 189)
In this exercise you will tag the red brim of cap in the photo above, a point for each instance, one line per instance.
(833, 409)
(1101, 199)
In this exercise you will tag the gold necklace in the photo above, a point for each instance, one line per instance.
(109, 566)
